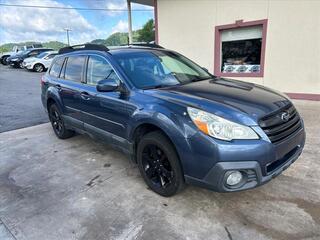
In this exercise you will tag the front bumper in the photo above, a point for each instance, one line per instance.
(215, 180)
(15, 63)
(27, 65)
(258, 164)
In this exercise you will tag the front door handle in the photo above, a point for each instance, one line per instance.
(85, 95)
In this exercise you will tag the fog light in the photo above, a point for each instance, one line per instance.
(234, 178)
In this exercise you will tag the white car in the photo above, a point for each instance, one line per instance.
(40, 62)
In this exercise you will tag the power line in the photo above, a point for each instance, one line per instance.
(74, 8)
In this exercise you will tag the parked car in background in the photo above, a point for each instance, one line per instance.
(16, 60)
(17, 49)
(40, 62)
(178, 122)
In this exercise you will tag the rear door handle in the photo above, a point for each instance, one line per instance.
(85, 95)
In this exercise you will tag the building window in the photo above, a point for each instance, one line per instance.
(240, 48)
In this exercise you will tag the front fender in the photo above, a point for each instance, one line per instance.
(176, 125)
(172, 123)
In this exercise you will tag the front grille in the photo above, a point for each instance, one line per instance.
(276, 128)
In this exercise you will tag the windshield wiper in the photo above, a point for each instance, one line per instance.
(156, 86)
(200, 79)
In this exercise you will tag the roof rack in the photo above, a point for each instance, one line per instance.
(144, 44)
(80, 47)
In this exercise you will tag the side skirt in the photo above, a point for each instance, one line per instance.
(115, 141)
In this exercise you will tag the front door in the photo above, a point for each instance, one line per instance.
(103, 112)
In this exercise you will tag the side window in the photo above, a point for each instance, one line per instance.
(99, 69)
(56, 67)
(74, 67)
(33, 53)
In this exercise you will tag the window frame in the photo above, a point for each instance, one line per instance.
(86, 69)
(65, 64)
(217, 47)
(58, 58)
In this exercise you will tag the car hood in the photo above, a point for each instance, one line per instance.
(228, 98)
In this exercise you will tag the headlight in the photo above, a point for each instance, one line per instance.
(219, 127)
(14, 59)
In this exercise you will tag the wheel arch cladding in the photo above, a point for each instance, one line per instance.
(53, 97)
(145, 128)
(172, 128)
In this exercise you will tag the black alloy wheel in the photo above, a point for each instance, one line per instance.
(156, 166)
(159, 164)
(58, 124)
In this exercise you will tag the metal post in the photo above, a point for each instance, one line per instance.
(129, 21)
(68, 30)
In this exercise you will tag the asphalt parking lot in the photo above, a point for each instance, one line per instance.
(20, 104)
(82, 189)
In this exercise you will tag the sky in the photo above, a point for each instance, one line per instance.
(35, 24)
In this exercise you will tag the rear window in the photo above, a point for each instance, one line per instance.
(74, 67)
(56, 67)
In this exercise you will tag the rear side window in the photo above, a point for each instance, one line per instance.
(74, 68)
(56, 67)
(99, 69)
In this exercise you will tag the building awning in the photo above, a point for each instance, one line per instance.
(144, 2)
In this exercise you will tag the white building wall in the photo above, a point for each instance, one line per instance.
(292, 62)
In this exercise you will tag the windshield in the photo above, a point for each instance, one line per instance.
(149, 69)
(42, 55)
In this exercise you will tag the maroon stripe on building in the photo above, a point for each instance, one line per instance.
(304, 96)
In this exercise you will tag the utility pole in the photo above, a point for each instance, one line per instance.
(129, 21)
(67, 31)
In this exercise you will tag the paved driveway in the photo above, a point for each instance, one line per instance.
(20, 104)
(82, 189)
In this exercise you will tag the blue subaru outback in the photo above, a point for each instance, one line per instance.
(178, 122)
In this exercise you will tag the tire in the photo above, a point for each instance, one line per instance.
(159, 164)
(38, 67)
(4, 60)
(57, 123)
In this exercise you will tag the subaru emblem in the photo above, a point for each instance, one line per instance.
(285, 116)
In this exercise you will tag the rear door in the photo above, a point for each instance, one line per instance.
(70, 85)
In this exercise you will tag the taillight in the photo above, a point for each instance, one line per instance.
(42, 81)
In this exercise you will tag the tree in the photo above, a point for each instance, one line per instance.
(147, 34)
(117, 39)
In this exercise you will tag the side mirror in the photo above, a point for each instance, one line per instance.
(108, 85)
